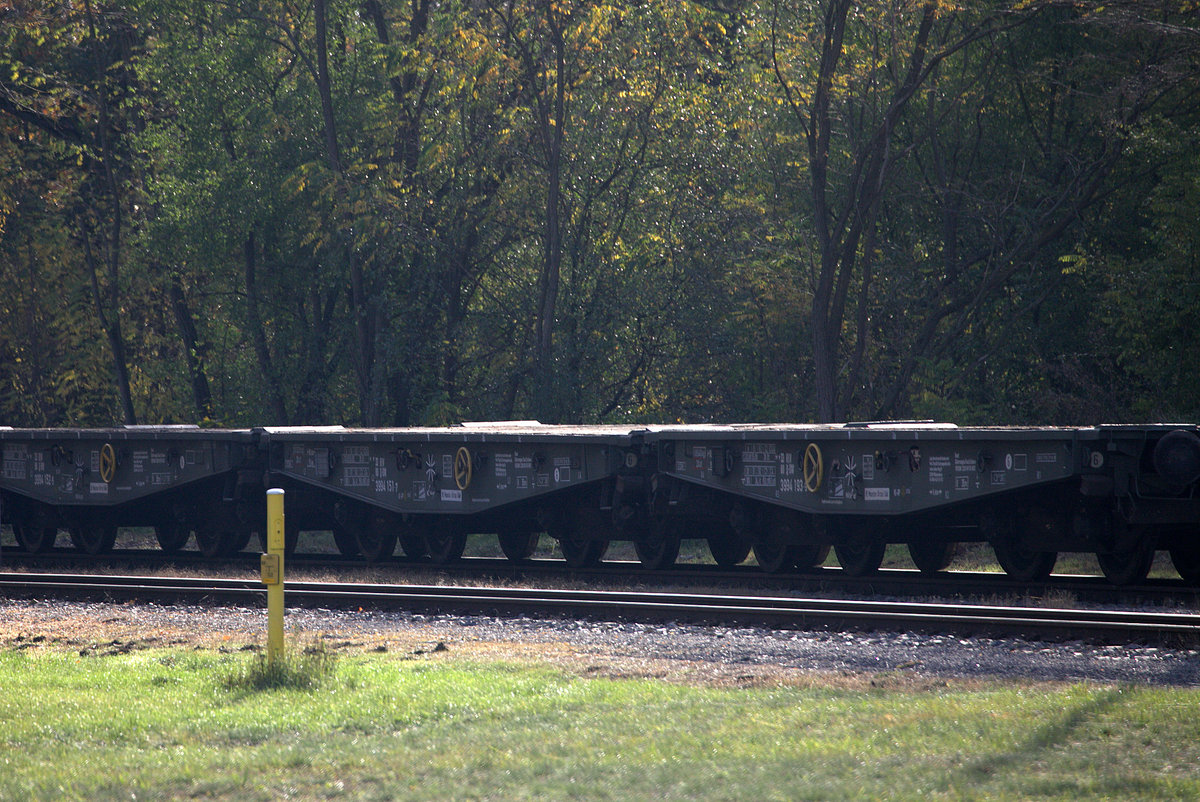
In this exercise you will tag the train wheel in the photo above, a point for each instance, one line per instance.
(517, 545)
(658, 546)
(810, 557)
(171, 536)
(348, 519)
(346, 540)
(239, 539)
(214, 542)
(1128, 567)
(1187, 562)
(94, 538)
(581, 553)
(1024, 564)
(414, 546)
(375, 540)
(930, 558)
(774, 557)
(727, 550)
(581, 534)
(35, 539)
(446, 547)
(775, 549)
(1130, 560)
(860, 559)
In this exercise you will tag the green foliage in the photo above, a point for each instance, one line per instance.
(1008, 229)
(1146, 322)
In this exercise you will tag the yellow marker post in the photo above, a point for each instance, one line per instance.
(272, 574)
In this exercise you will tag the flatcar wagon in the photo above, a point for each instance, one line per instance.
(787, 493)
(176, 479)
(791, 493)
(430, 488)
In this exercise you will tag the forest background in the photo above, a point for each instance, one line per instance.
(251, 212)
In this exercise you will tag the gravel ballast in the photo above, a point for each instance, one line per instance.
(688, 653)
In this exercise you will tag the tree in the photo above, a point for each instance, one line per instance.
(68, 86)
(996, 159)
(871, 62)
(611, 97)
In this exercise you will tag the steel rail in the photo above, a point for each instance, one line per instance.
(899, 582)
(788, 612)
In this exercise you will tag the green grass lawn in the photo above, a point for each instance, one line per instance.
(171, 724)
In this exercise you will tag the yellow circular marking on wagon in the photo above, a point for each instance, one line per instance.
(462, 468)
(814, 467)
(108, 462)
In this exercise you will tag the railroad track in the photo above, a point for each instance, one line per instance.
(903, 583)
(1110, 626)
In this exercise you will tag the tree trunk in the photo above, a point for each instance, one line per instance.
(841, 226)
(410, 93)
(193, 350)
(110, 321)
(107, 301)
(363, 304)
(553, 125)
(259, 335)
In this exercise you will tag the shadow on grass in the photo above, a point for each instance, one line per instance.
(1045, 738)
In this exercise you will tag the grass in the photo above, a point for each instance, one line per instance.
(169, 724)
(289, 671)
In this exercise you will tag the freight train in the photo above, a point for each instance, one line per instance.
(786, 493)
